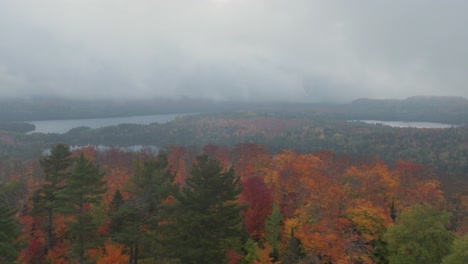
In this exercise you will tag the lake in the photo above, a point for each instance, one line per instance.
(63, 126)
(406, 124)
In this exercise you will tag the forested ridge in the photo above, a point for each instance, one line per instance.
(269, 186)
(442, 109)
(443, 149)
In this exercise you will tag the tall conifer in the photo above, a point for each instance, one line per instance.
(135, 222)
(56, 168)
(9, 244)
(208, 220)
(83, 190)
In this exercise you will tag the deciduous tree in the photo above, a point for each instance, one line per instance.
(419, 236)
(459, 251)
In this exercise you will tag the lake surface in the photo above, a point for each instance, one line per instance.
(63, 126)
(406, 124)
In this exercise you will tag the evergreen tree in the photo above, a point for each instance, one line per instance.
(56, 168)
(208, 220)
(135, 222)
(9, 245)
(84, 188)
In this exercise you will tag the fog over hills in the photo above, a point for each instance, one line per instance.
(233, 50)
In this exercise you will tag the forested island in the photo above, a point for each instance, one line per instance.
(267, 184)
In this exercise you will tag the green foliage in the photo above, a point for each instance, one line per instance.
(45, 201)
(419, 236)
(251, 252)
(135, 222)
(459, 251)
(273, 228)
(84, 188)
(9, 244)
(11, 192)
(207, 220)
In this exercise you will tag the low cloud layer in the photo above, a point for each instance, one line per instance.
(298, 50)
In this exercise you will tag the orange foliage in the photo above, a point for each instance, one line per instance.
(89, 152)
(112, 254)
(264, 255)
(59, 254)
(335, 208)
(116, 178)
(34, 237)
(250, 160)
(177, 159)
(60, 224)
(336, 213)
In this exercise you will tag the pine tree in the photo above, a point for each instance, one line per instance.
(56, 168)
(84, 188)
(135, 222)
(208, 220)
(9, 246)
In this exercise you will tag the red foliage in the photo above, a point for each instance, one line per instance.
(233, 256)
(89, 152)
(259, 199)
(33, 251)
(116, 178)
(177, 159)
(59, 254)
(219, 153)
(249, 158)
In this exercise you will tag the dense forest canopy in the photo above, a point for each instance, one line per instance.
(233, 132)
(289, 207)
(272, 185)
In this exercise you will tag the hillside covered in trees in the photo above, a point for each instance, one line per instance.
(442, 149)
(280, 185)
(442, 109)
(226, 205)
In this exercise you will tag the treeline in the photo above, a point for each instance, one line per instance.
(58, 108)
(441, 109)
(16, 127)
(226, 205)
(443, 149)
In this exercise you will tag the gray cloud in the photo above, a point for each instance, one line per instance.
(297, 50)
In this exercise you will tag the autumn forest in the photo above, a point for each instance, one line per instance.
(242, 187)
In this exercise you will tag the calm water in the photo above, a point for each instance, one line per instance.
(407, 124)
(63, 126)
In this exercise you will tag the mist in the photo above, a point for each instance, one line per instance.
(242, 50)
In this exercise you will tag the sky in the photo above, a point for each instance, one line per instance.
(249, 50)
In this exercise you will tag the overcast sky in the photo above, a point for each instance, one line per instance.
(294, 50)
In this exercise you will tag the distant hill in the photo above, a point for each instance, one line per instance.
(52, 108)
(443, 109)
(451, 110)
